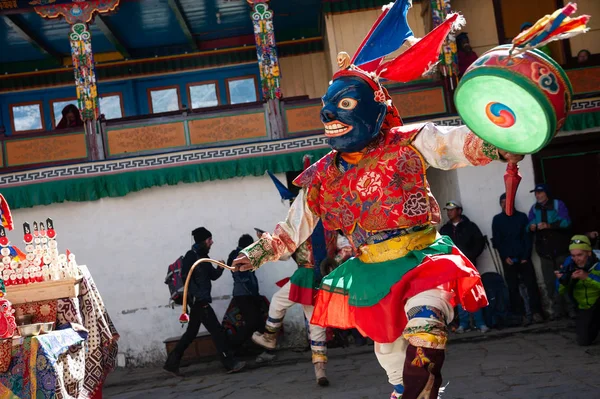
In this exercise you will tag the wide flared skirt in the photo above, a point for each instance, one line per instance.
(371, 296)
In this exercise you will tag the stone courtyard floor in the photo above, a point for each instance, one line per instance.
(541, 361)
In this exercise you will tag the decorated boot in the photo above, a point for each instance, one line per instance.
(320, 374)
(266, 340)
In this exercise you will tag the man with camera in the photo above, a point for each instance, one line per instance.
(579, 278)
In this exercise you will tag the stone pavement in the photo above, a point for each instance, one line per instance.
(541, 361)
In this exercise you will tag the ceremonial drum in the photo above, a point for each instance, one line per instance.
(516, 103)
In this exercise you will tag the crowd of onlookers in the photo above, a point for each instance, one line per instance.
(569, 267)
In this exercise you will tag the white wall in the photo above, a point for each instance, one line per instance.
(128, 242)
(480, 189)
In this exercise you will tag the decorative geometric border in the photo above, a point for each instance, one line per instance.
(208, 155)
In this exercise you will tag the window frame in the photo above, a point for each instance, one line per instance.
(12, 117)
(241, 78)
(206, 82)
(57, 100)
(113, 94)
(149, 91)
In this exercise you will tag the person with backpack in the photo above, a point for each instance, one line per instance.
(201, 312)
(550, 223)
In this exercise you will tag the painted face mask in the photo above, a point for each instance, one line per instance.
(351, 116)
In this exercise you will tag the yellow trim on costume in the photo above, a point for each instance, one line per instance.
(397, 247)
(426, 340)
(33, 364)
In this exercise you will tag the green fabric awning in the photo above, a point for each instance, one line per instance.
(118, 185)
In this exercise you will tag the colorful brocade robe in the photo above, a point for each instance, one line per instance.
(385, 192)
(309, 255)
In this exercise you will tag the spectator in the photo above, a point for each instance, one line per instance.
(593, 236)
(579, 277)
(550, 222)
(466, 55)
(468, 238)
(544, 48)
(201, 312)
(70, 118)
(583, 57)
(511, 239)
(246, 295)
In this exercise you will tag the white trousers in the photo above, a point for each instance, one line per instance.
(391, 356)
(280, 303)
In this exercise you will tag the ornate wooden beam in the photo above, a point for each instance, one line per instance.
(17, 24)
(185, 27)
(112, 37)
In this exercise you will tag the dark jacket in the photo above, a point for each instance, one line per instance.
(244, 283)
(552, 242)
(466, 236)
(510, 236)
(201, 281)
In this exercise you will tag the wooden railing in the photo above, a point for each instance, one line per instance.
(225, 125)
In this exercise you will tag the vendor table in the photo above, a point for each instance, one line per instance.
(38, 365)
(80, 371)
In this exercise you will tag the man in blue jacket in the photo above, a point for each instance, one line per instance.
(511, 239)
(200, 310)
(550, 223)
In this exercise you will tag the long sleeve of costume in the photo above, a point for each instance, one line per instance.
(287, 237)
(453, 147)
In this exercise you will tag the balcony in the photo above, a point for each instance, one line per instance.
(223, 142)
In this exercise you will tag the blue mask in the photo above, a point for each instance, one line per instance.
(351, 116)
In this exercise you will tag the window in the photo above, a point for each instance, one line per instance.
(56, 106)
(27, 117)
(111, 106)
(242, 90)
(164, 99)
(202, 95)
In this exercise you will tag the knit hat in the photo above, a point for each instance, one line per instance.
(201, 234)
(580, 242)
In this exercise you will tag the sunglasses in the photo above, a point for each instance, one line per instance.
(578, 242)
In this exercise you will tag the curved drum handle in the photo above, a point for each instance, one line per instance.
(185, 318)
(512, 178)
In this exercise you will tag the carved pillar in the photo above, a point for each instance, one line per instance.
(78, 15)
(449, 56)
(268, 64)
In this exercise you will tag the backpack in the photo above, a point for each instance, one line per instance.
(176, 281)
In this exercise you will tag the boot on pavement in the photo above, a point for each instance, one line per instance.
(266, 340)
(321, 375)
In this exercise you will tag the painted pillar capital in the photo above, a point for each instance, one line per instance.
(266, 49)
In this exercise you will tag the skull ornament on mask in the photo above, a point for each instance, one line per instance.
(351, 115)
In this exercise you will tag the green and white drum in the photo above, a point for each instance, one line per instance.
(516, 103)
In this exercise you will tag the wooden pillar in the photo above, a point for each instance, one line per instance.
(85, 80)
(449, 55)
(268, 64)
(79, 15)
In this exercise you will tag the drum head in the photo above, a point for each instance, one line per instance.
(506, 110)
